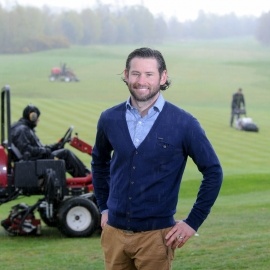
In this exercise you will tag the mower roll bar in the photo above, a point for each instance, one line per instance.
(5, 126)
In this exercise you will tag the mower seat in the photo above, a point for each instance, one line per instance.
(15, 152)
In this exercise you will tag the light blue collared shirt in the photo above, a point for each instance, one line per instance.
(139, 126)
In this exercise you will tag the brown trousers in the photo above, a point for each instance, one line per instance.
(125, 250)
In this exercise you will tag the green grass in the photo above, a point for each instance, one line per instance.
(204, 76)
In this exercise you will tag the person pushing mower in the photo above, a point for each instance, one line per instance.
(237, 105)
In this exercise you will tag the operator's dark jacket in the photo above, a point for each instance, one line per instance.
(23, 136)
(238, 100)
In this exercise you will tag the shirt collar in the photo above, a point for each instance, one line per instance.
(157, 106)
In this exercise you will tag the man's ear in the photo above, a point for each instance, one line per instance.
(163, 77)
(126, 74)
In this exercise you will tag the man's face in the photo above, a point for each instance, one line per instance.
(143, 78)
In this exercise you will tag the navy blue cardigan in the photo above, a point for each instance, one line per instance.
(140, 186)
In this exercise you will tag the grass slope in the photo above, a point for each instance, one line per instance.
(204, 75)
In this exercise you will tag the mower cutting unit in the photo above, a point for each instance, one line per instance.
(243, 122)
(66, 203)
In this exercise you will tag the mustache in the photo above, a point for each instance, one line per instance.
(138, 85)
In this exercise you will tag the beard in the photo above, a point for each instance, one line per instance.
(143, 98)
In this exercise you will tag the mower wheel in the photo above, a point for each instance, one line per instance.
(78, 217)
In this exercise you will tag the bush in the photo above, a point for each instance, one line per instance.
(44, 43)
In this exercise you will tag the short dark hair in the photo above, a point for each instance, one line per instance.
(149, 53)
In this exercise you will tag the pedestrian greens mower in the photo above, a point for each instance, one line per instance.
(68, 204)
(244, 123)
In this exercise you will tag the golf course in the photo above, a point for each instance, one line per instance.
(204, 76)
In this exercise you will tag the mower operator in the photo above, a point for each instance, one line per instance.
(138, 160)
(238, 104)
(26, 141)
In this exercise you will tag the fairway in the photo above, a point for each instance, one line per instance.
(204, 76)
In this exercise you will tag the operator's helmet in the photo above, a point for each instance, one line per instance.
(31, 113)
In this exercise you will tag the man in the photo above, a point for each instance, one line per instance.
(237, 105)
(138, 160)
(26, 141)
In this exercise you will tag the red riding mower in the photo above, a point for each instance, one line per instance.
(66, 203)
(63, 74)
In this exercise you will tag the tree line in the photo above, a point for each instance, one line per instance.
(30, 29)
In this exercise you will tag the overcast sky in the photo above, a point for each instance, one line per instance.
(182, 9)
